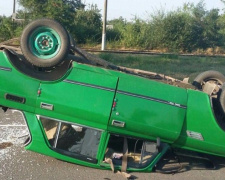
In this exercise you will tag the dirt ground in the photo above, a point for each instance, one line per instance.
(19, 164)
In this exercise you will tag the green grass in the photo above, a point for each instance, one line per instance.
(172, 65)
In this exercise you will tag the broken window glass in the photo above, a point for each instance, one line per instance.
(78, 139)
(72, 140)
(50, 127)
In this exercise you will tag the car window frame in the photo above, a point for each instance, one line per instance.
(70, 154)
(129, 168)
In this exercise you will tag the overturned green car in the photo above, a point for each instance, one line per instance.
(98, 114)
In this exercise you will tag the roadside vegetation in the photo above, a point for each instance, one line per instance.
(189, 29)
(172, 65)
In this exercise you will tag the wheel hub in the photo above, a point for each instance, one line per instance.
(46, 43)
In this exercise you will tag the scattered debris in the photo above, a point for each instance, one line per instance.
(13, 132)
(5, 145)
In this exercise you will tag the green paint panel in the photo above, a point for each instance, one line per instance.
(154, 89)
(16, 83)
(39, 144)
(96, 69)
(80, 103)
(145, 110)
(200, 119)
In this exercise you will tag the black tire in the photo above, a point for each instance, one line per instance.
(222, 99)
(30, 51)
(208, 76)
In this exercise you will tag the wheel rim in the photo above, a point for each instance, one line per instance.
(45, 43)
(215, 81)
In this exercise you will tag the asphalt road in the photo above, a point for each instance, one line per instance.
(19, 164)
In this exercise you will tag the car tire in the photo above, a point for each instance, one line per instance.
(45, 43)
(207, 76)
(222, 99)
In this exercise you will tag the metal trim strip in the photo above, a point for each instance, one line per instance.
(5, 68)
(89, 85)
(127, 93)
(152, 99)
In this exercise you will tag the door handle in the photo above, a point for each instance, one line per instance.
(47, 106)
(118, 123)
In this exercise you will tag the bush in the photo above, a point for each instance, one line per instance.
(87, 26)
(185, 30)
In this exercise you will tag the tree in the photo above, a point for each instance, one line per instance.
(6, 28)
(61, 10)
(87, 25)
(191, 28)
(83, 24)
(115, 34)
(212, 34)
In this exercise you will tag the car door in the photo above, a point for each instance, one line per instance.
(84, 97)
(148, 109)
(74, 114)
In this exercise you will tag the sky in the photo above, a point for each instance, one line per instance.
(128, 9)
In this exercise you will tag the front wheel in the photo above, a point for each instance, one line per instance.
(45, 43)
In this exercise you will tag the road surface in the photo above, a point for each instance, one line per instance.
(19, 164)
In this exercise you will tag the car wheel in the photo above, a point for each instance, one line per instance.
(45, 43)
(222, 99)
(212, 77)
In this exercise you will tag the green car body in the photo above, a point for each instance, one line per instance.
(109, 103)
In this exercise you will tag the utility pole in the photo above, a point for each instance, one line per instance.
(14, 19)
(14, 10)
(104, 26)
(14, 15)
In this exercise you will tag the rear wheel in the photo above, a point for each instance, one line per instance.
(45, 43)
(222, 99)
(209, 82)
